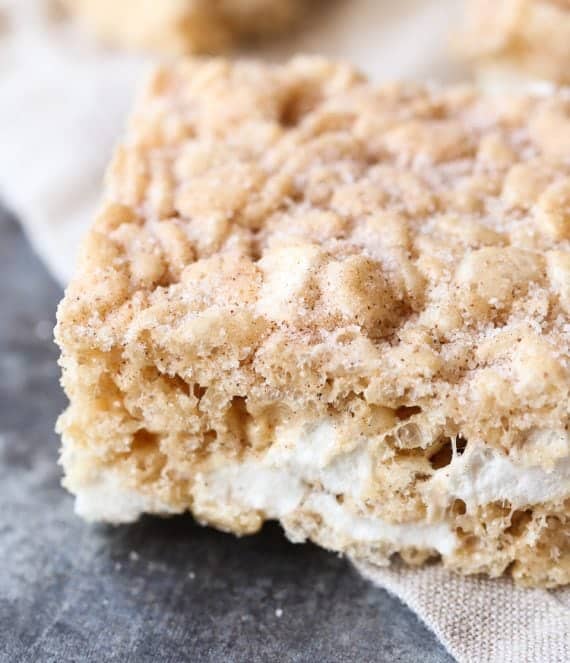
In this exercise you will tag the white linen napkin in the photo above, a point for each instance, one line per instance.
(63, 102)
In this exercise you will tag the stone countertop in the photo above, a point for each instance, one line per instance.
(159, 590)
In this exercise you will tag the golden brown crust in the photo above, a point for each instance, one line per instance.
(184, 26)
(288, 245)
(519, 38)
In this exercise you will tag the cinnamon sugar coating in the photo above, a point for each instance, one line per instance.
(362, 292)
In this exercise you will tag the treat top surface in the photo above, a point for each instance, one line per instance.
(294, 236)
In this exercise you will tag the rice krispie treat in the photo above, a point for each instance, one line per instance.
(184, 26)
(518, 42)
(344, 307)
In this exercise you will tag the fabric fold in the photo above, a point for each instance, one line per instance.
(479, 618)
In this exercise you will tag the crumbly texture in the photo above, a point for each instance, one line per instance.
(518, 40)
(185, 26)
(341, 306)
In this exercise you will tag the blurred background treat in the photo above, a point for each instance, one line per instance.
(186, 26)
(513, 43)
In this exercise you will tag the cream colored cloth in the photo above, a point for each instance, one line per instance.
(480, 620)
(63, 102)
(62, 105)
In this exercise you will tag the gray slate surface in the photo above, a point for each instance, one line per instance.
(159, 590)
